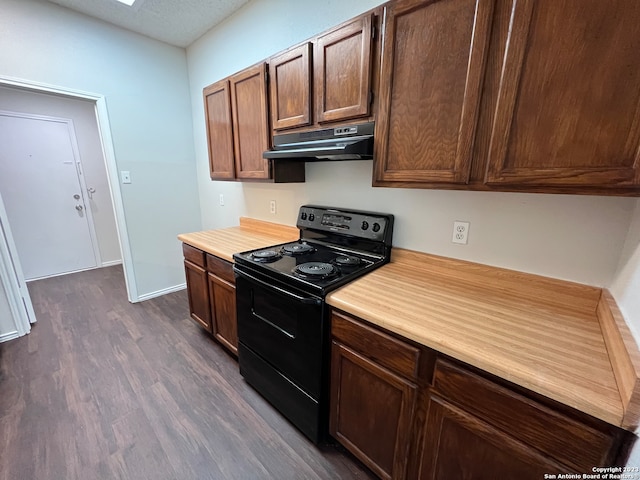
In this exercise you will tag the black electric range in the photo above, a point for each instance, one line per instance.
(283, 321)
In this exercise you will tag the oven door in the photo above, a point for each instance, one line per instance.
(282, 336)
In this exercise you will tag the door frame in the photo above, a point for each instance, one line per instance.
(108, 153)
(97, 258)
(12, 279)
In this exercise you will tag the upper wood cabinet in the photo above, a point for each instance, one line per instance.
(290, 74)
(568, 107)
(342, 71)
(326, 80)
(432, 69)
(251, 134)
(217, 104)
(518, 95)
(238, 130)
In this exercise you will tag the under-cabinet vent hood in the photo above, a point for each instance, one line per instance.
(352, 142)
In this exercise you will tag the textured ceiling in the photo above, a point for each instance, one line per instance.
(177, 22)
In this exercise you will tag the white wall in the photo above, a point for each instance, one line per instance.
(576, 238)
(93, 165)
(626, 284)
(145, 84)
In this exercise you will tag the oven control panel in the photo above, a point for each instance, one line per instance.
(368, 225)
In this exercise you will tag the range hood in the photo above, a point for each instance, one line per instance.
(352, 142)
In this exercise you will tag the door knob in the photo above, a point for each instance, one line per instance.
(79, 208)
(76, 196)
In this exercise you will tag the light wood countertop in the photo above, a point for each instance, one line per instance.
(251, 234)
(559, 339)
(540, 333)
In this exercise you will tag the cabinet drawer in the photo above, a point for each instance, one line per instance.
(397, 356)
(221, 268)
(569, 441)
(194, 255)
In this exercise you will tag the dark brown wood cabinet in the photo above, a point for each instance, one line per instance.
(222, 295)
(238, 130)
(212, 297)
(290, 85)
(409, 412)
(510, 95)
(328, 79)
(433, 61)
(197, 290)
(568, 107)
(217, 102)
(342, 71)
(501, 433)
(373, 395)
(460, 445)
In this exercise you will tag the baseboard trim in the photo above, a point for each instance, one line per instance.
(111, 263)
(5, 337)
(159, 293)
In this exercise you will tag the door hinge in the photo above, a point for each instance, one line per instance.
(78, 168)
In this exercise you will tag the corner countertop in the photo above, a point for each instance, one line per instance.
(540, 333)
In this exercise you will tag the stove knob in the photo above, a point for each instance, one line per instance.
(376, 227)
(303, 215)
(312, 217)
(365, 225)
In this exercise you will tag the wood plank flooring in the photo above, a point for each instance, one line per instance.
(105, 389)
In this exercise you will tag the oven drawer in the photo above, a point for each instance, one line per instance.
(286, 328)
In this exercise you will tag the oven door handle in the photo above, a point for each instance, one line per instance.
(299, 298)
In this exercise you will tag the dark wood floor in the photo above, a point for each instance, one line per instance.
(105, 389)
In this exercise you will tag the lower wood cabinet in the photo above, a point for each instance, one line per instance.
(222, 294)
(409, 412)
(212, 298)
(373, 394)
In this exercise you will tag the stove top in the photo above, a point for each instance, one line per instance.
(335, 247)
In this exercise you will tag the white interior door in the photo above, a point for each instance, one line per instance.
(43, 191)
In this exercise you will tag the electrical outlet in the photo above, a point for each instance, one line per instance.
(272, 207)
(460, 232)
(221, 200)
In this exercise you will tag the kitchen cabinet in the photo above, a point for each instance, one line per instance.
(477, 428)
(522, 95)
(568, 108)
(409, 412)
(290, 74)
(238, 130)
(373, 395)
(433, 61)
(211, 293)
(197, 290)
(332, 74)
(222, 294)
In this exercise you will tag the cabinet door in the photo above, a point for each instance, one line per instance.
(198, 294)
(217, 104)
(290, 76)
(432, 70)
(223, 312)
(342, 70)
(459, 445)
(371, 411)
(250, 122)
(568, 108)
